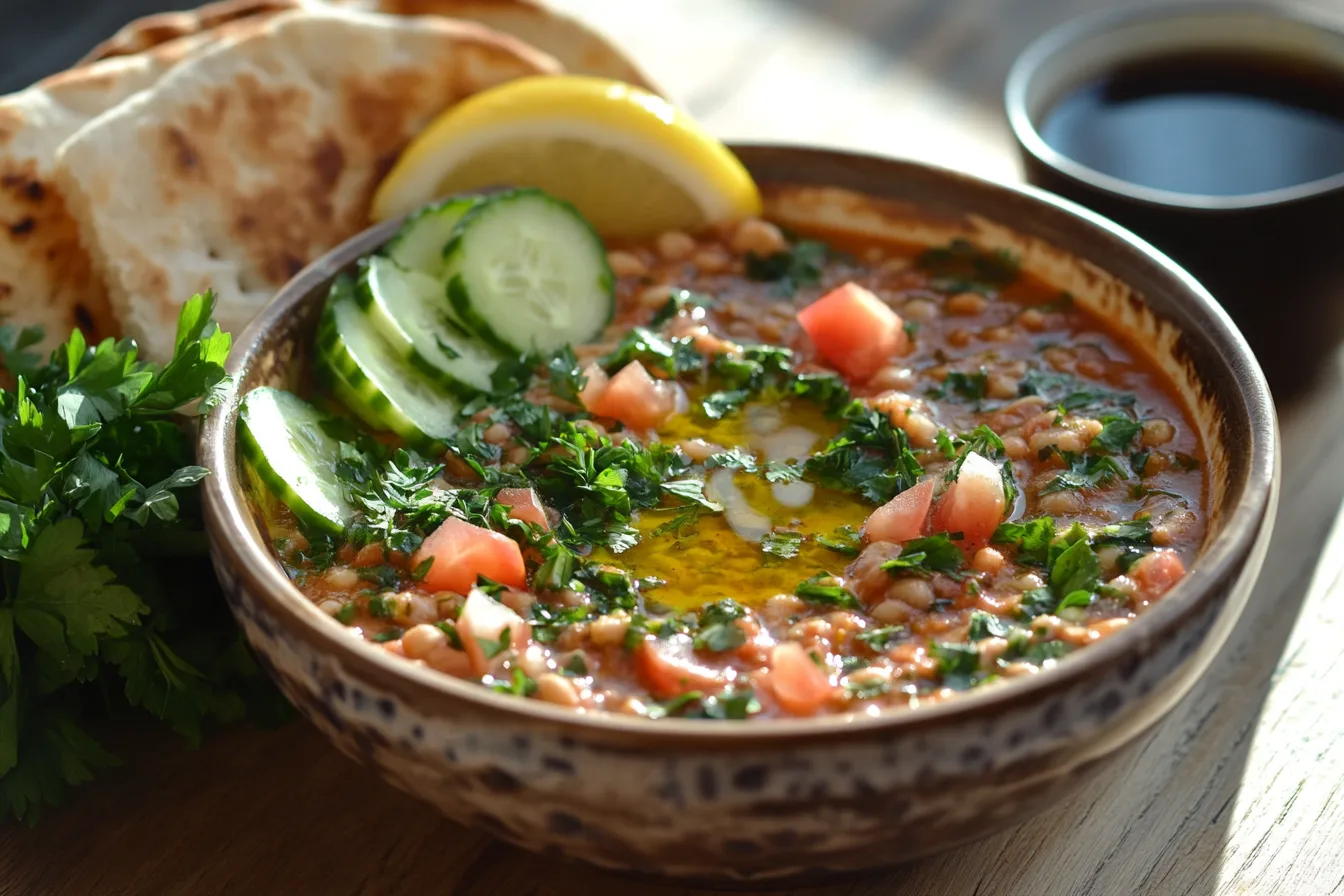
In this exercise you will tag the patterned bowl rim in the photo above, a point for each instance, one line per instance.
(238, 543)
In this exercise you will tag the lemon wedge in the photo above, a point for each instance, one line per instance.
(632, 164)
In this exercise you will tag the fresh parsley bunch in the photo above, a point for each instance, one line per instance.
(108, 602)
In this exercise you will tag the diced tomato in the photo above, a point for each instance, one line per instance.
(1157, 572)
(903, 517)
(800, 686)
(973, 505)
(462, 552)
(668, 668)
(523, 505)
(854, 331)
(637, 399)
(480, 628)
(594, 387)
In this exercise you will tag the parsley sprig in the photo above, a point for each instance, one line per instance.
(107, 602)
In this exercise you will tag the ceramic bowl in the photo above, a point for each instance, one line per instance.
(764, 803)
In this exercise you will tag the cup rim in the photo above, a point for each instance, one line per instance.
(1030, 62)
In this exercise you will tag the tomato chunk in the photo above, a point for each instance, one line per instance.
(1157, 572)
(523, 505)
(637, 399)
(462, 552)
(595, 385)
(853, 330)
(973, 505)
(800, 685)
(481, 627)
(668, 668)
(903, 517)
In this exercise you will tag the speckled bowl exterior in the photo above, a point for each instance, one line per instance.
(765, 803)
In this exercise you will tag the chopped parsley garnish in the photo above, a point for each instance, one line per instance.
(1074, 575)
(925, 556)
(868, 456)
(967, 386)
(879, 639)
(1031, 538)
(491, 649)
(867, 688)
(718, 628)
(679, 300)
(782, 544)
(961, 266)
(673, 356)
(1069, 393)
(576, 666)
(818, 589)
(987, 625)
(957, 663)
(1130, 532)
(519, 684)
(566, 380)
(1117, 433)
(380, 607)
(800, 265)
(1085, 473)
(844, 540)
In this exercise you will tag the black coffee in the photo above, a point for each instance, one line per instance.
(1210, 124)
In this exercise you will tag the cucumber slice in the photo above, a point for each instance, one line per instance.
(281, 438)
(411, 311)
(419, 244)
(527, 273)
(383, 389)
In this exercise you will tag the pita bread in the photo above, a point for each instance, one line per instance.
(576, 46)
(147, 32)
(46, 276)
(253, 157)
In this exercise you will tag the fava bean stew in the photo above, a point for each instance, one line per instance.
(732, 475)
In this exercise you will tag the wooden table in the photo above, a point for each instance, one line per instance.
(1239, 791)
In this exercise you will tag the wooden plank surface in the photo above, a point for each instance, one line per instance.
(1237, 792)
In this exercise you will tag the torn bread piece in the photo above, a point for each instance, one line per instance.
(252, 158)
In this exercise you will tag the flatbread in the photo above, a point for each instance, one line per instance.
(578, 47)
(147, 32)
(253, 157)
(46, 277)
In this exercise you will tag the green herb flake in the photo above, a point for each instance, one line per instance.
(966, 386)
(1031, 538)
(1086, 473)
(925, 556)
(718, 628)
(961, 266)
(493, 648)
(782, 544)
(879, 639)
(817, 589)
(519, 684)
(986, 625)
(844, 540)
(867, 688)
(800, 265)
(1117, 433)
